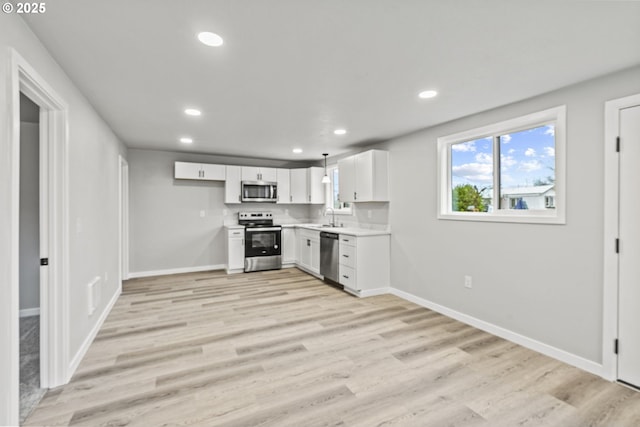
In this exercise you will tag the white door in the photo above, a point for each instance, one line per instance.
(364, 176)
(268, 174)
(347, 179)
(629, 258)
(232, 188)
(185, 170)
(299, 186)
(316, 187)
(289, 245)
(250, 173)
(284, 193)
(213, 172)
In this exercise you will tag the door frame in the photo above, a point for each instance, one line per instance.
(54, 279)
(123, 218)
(611, 232)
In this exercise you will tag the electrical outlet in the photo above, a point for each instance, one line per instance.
(467, 282)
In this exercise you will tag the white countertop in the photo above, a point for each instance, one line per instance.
(351, 231)
(234, 227)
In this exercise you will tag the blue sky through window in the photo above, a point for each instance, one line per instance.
(527, 158)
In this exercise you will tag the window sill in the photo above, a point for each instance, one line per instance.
(508, 216)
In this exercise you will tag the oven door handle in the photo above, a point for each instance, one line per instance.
(259, 229)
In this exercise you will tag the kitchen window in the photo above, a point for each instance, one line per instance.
(512, 171)
(333, 193)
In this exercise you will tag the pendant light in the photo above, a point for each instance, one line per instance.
(325, 178)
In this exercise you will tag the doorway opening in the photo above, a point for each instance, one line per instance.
(30, 390)
(51, 227)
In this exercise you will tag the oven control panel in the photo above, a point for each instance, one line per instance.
(255, 215)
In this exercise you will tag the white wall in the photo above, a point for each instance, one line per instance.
(29, 216)
(93, 196)
(540, 281)
(166, 229)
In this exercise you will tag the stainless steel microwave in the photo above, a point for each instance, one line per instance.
(259, 191)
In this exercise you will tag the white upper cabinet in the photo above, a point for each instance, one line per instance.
(250, 173)
(202, 172)
(232, 188)
(316, 187)
(284, 191)
(298, 186)
(306, 185)
(347, 179)
(364, 177)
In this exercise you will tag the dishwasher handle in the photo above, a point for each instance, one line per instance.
(327, 235)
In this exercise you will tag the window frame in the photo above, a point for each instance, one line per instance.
(555, 115)
(329, 194)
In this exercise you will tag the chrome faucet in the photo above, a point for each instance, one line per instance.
(333, 216)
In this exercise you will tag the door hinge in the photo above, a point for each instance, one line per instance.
(44, 261)
(617, 144)
(615, 346)
(617, 246)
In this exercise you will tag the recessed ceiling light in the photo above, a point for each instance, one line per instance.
(297, 150)
(210, 39)
(192, 112)
(340, 131)
(428, 94)
(186, 140)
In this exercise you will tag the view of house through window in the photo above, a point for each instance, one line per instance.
(521, 165)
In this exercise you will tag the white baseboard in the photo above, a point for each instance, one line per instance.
(547, 350)
(89, 339)
(176, 271)
(27, 312)
(374, 292)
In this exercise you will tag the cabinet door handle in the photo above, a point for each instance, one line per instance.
(346, 256)
(308, 242)
(345, 240)
(355, 196)
(291, 198)
(242, 242)
(346, 277)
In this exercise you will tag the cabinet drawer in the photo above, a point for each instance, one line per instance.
(347, 240)
(347, 255)
(348, 277)
(310, 234)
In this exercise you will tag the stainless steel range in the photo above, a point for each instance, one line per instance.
(262, 250)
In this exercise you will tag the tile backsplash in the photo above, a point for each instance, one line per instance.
(373, 216)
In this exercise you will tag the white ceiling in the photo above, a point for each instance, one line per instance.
(291, 71)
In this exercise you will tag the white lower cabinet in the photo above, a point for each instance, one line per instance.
(364, 264)
(235, 250)
(309, 250)
(289, 246)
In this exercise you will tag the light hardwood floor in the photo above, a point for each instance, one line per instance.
(282, 348)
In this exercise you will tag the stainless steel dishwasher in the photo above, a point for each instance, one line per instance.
(329, 255)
